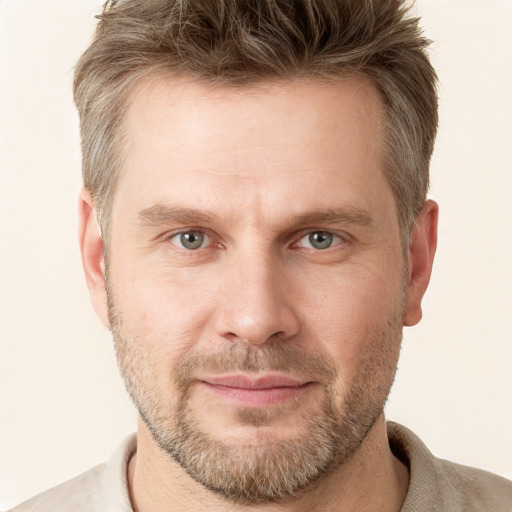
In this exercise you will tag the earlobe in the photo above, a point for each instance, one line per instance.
(92, 250)
(422, 248)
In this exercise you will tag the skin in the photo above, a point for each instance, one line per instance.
(259, 167)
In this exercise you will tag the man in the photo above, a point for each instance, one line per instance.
(255, 232)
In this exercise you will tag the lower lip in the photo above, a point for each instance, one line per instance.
(258, 397)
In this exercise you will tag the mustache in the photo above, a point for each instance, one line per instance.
(247, 358)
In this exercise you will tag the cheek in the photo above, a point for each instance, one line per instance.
(354, 317)
(353, 297)
(165, 313)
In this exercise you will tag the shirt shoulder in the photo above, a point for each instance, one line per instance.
(104, 487)
(471, 489)
(438, 485)
(80, 494)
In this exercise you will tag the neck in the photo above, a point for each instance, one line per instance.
(373, 479)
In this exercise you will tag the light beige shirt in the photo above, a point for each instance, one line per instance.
(435, 485)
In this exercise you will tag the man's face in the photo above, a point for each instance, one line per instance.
(256, 278)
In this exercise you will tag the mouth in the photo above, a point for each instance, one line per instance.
(257, 392)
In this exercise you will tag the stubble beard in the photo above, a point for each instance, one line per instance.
(266, 469)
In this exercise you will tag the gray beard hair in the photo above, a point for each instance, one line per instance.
(267, 469)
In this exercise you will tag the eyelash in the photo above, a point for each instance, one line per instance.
(170, 236)
(342, 239)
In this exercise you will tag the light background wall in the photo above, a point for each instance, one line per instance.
(62, 405)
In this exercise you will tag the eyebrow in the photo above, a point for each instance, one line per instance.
(159, 214)
(162, 214)
(346, 215)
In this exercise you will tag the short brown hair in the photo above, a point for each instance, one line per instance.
(241, 42)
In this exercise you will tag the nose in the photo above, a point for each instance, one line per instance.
(257, 304)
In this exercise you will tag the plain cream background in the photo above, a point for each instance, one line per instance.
(62, 404)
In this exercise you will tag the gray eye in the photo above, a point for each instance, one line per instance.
(190, 240)
(320, 239)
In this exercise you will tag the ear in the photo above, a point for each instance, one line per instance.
(93, 261)
(422, 247)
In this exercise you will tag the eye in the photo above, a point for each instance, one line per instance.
(319, 240)
(190, 240)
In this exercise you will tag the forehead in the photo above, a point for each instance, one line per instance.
(249, 117)
(253, 145)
